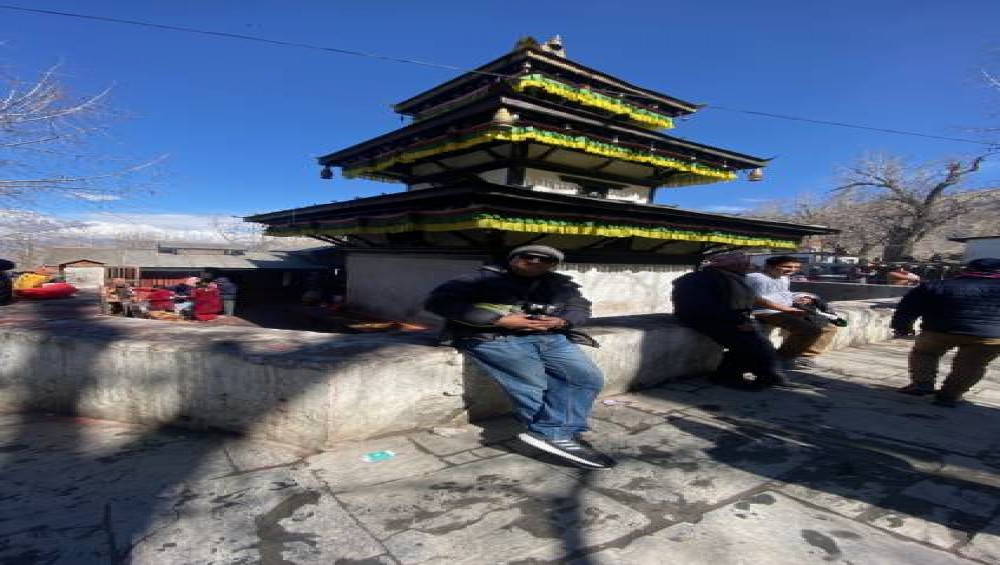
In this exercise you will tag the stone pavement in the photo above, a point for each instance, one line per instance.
(846, 472)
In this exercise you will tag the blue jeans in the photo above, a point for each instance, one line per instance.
(550, 382)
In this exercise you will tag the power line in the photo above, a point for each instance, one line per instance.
(849, 125)
(380, 57)
(244, 37)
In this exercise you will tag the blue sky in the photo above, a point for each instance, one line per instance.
(242, 122)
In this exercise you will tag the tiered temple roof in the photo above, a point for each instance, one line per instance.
(534, 146)
(532, 108)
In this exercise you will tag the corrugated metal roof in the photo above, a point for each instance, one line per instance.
(151, 259)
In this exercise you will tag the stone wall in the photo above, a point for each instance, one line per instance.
(306, 388)
(625, 290)
(395, 286)
(834, 291)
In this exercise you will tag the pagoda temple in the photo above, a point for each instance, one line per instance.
(531, 148)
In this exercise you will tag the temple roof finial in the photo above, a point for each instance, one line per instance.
(555, 46)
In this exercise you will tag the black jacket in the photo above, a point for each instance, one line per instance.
(963, 305)
(707, 298)
(6, 289)
(471, 303)
(6, 285)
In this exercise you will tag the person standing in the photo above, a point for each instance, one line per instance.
(805, 340)
(206, 303)
(517, 322)
(6, 284)
(961, 312)
(716, 301)
(227, 291)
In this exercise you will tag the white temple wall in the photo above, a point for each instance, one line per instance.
(395, 286)
(546, 181)
(624, 290)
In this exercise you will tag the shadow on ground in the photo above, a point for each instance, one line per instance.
(700, 468)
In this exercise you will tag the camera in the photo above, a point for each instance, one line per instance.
(536, 310)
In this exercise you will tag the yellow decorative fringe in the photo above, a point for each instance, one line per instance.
(699, 173)
(586, 97)
(542, 226)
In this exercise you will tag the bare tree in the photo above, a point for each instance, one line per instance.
(45, 138)
(906, 201)
(861, 232)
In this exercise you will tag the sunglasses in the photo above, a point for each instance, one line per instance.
(537, 258)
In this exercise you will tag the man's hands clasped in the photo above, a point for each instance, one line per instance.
(524, 322)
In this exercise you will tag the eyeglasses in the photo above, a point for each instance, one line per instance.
(537, 258)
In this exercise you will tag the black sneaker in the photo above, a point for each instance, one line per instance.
(575, 450)
(916, 390)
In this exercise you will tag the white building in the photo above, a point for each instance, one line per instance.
(977, 247)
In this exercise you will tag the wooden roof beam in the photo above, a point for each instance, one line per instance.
(599, 243)
(607, 163)
(489, 151)
(667, 243)
(548, 152)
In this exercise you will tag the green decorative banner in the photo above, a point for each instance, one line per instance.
(691, 172)
(480, 219)
(587, 97)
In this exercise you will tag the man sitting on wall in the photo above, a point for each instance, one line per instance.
(516, 322)
(805, 340)
(716, 301)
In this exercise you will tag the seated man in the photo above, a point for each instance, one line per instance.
(716, 301)
(515, 321)
(805, 340)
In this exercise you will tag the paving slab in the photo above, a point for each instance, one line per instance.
(985, 546)
(944, 513)
(274, 516)
(506, 509)
(359, 465)
(773, 529)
